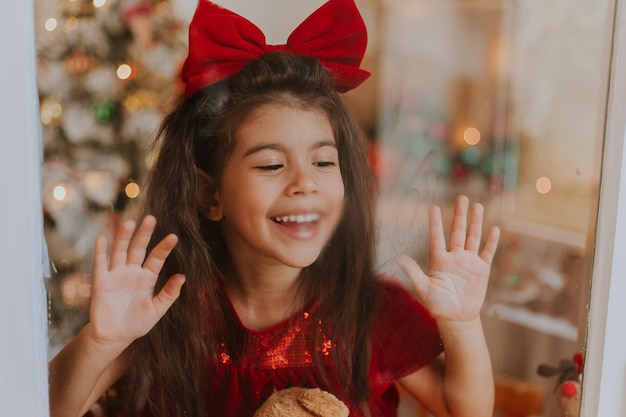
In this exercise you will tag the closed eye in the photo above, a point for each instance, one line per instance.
(269, 167)
(324, 164)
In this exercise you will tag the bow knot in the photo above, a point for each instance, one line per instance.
(222, 42)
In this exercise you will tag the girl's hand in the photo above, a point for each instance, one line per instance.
(456, 283)
(123, 304)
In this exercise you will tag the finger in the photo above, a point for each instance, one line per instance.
(491, 244)
(459, 223)
(419, 280)
(155, 260)
(474, 231)
(168, 294)
(119, 250)
(435, 231)
(100, 257)
(137, 250)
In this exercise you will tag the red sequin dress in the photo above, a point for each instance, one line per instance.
(404, 339)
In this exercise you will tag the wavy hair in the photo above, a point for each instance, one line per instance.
(198, 134)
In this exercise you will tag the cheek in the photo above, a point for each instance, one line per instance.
(333, 185)
(339, 195)
(341, 189)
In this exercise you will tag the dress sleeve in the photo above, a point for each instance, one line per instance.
(404, 334)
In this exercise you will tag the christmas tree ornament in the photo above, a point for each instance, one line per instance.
(79, 63)
(103, 82)
(79, 123)
(103, 111)
(52, 78)
(158, 60)
(141, 125)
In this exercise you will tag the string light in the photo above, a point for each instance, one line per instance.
(543, 185)
(94, 180)
(51, 24)
(59, 193)
(50, 111)
(471, 136)
(132, 190)
(124, 72)
(71, 23)
(99, 3)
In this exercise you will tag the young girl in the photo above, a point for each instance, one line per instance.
(258, 274)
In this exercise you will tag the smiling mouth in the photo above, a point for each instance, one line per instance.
(297, 218)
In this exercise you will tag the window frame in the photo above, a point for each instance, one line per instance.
(23, 323)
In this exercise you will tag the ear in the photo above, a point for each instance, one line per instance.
(207, 197)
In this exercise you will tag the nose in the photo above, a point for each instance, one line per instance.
(302, 181)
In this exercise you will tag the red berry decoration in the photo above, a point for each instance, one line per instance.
(568, 389)
(579, 361)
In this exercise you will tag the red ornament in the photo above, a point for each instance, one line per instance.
(569, 389)
(579, 361)
(459, 171)
(79, 63)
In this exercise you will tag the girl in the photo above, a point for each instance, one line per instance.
(265, 235)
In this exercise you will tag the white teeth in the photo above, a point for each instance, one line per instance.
(300, 218)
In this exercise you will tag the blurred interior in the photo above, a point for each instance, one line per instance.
(501, 100)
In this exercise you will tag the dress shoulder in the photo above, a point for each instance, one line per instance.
(404, 333)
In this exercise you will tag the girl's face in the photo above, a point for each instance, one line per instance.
(281, 194)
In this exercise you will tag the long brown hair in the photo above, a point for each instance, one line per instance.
(198, 134)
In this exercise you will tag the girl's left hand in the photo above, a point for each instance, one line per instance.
(456, 283)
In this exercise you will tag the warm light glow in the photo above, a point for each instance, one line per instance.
(471, 136)
(51, 24)
(132, 103)
(544, 185)
(163, 8)
(71, 23)
(99, 3)
(132, 190)
(50, 111)
(56, 109)
(59, 193)
(76, 289)
(94, 179)
(124, 71)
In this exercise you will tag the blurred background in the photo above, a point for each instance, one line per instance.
(502, 100)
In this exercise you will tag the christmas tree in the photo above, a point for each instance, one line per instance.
(107, 73)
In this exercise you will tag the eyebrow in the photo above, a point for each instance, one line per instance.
(277, 147)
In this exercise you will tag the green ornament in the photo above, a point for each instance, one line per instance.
(104, 111)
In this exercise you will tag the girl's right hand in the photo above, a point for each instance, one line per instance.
(123, 305)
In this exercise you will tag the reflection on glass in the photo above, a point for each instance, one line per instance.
(107, 73)
(503, 101)
(500, 100)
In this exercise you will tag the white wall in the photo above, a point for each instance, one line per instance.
(23, 381)
(276, 31)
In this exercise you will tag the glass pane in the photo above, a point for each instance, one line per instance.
(502, 100)
(107, 73)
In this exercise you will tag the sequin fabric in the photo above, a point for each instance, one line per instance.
(404, 338)
(285, 345)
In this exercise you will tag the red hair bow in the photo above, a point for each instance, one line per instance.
(221, 43)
